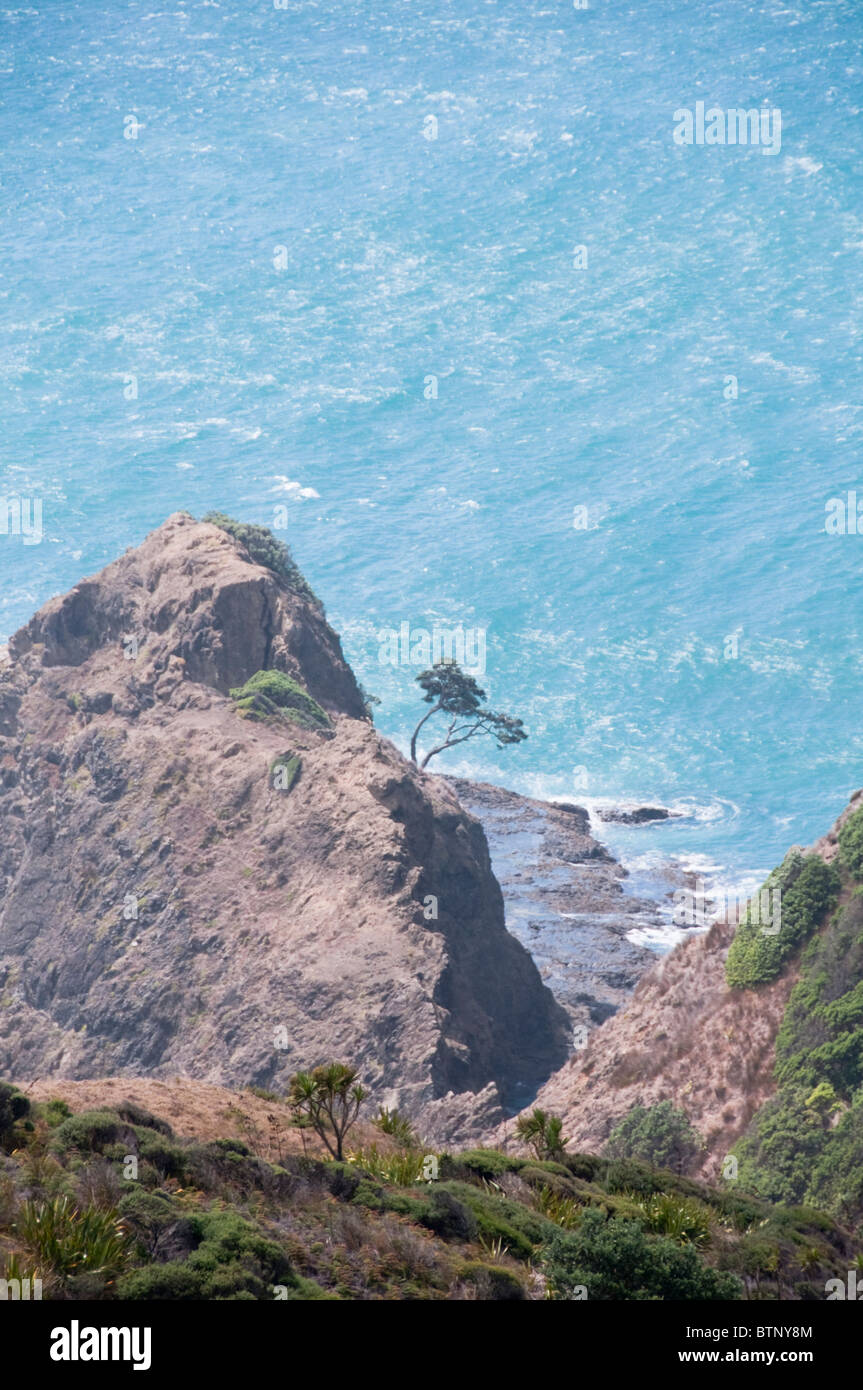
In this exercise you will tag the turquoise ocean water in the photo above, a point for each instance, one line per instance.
(325, 257)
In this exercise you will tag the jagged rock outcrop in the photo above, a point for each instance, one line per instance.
(166, 908)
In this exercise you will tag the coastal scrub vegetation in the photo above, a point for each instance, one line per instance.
(618, 1259)
(808, 889)
(391, 1220)
(660, 1134)
(806, 1143)
(851, 844)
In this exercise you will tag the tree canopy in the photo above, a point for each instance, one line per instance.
(451, 691)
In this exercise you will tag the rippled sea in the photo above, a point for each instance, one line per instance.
(433, 276)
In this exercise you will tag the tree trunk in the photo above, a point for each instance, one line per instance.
(432, 711)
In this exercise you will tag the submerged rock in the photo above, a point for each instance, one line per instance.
(641, 815)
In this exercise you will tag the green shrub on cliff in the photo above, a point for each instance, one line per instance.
(500, 1221)
(107, 1132)
(801, 891)
(851, 844)
(267, 550)
(806, 1143)
(155, 1220)
(270, 696)
(88, 1132)
(285, 770)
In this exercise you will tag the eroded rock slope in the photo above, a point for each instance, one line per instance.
(166, 909)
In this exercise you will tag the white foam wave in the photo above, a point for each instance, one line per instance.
(658, 938)
(805, 163)
(292, 488)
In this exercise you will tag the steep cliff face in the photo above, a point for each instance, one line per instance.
(683, 1037)
(686, 1037)
(172, 903)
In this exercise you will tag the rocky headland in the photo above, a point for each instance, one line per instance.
(214, 868)
(196, 884)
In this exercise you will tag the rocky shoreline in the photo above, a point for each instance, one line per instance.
(566, 899)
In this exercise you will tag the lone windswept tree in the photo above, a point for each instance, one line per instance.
(451, 691)
(328, 1101)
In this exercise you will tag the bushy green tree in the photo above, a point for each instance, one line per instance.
(615, 1259)
(660, 1134)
